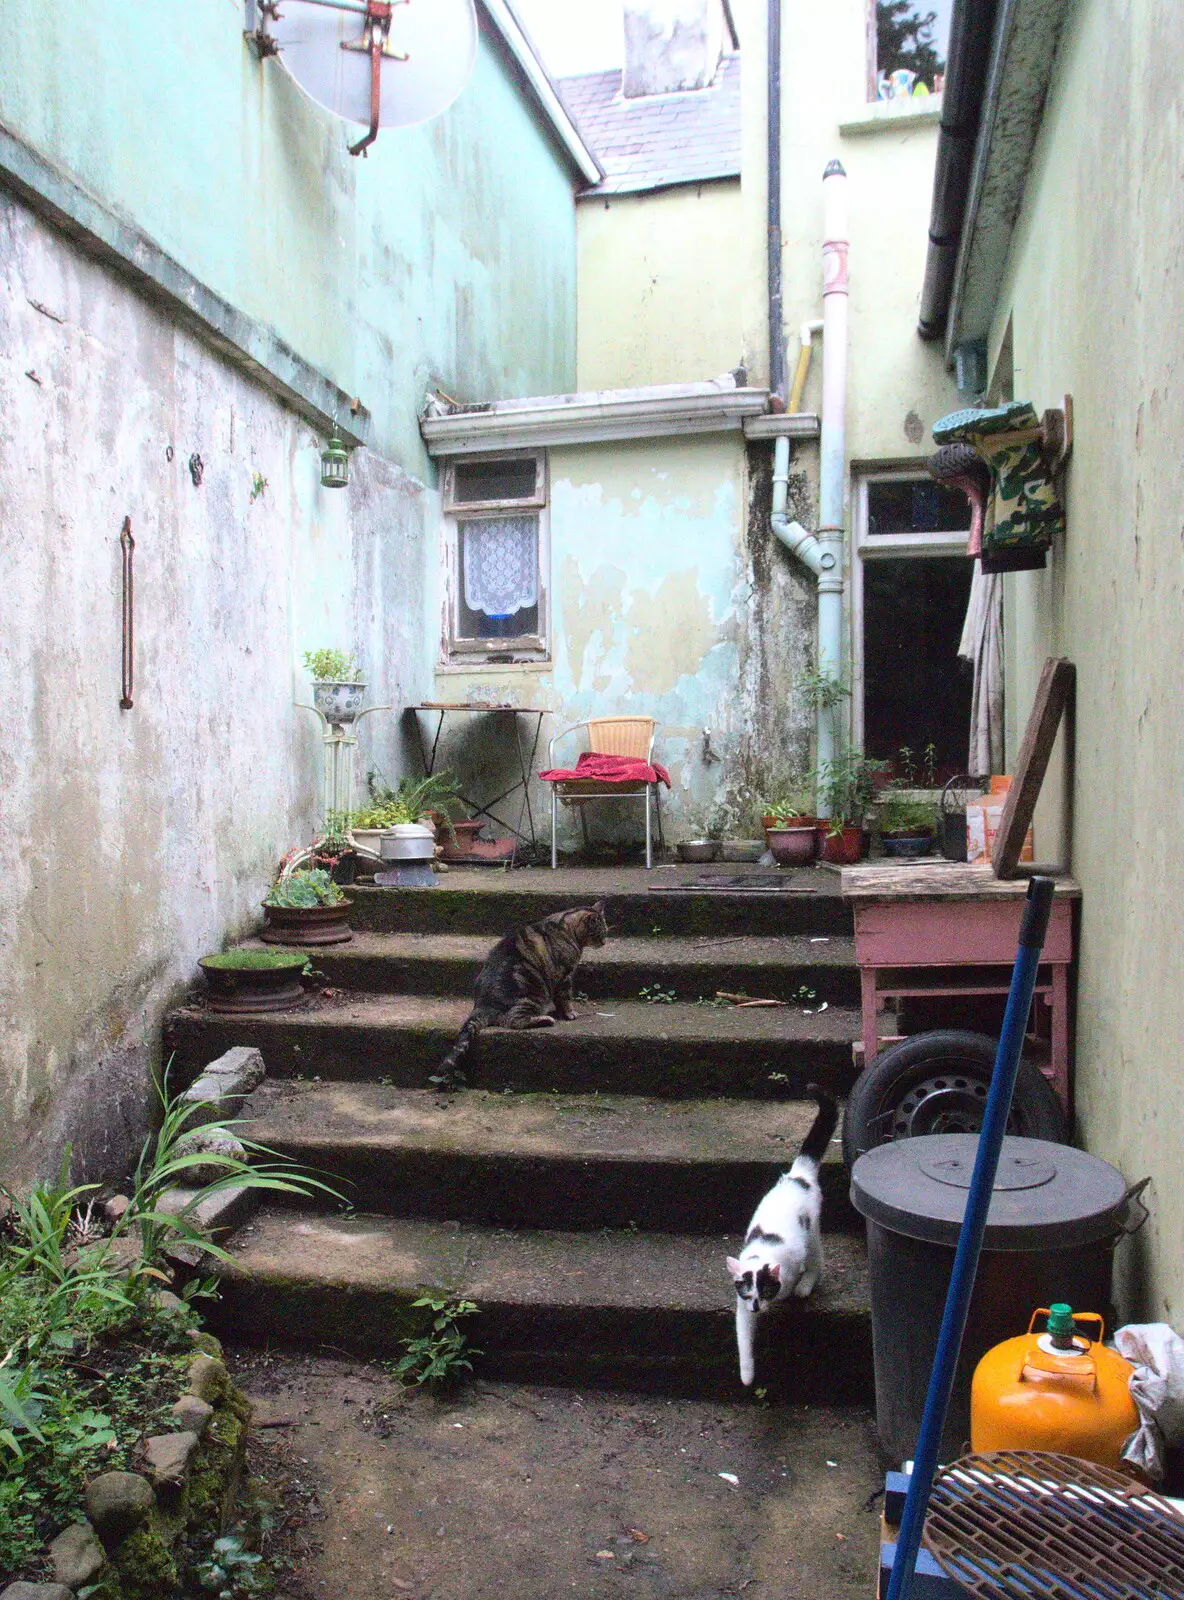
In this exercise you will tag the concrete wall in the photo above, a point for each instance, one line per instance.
(1095, 300)
(428, 260)
(669, 601)
(660, 295)
(135, 841)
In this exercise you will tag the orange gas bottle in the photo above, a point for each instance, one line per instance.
(1054, 1391)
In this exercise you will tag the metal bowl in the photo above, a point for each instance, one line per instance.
(697, 849)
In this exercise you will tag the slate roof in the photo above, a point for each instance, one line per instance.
(657, 140)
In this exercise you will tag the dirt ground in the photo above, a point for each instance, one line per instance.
(535, 1492)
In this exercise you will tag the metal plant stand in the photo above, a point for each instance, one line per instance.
(340, 743)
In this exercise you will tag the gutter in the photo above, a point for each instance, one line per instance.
(540, 89)
(971, 31)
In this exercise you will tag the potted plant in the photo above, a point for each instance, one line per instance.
(847, 786)
(241, 982)
(790, 828)
(306, 908)
(403, 815)
(906, 826)
(333, 849)
(338, 688)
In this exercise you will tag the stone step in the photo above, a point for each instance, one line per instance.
(490, 901)
(621, 1047)
(542, 1160)
(650, 1312)
(448, 963)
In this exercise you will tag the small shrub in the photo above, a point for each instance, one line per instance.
(439, 1357)
(332, 666)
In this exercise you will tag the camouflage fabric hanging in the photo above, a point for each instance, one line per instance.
(1023, 511)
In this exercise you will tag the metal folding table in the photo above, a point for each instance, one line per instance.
(526, 751)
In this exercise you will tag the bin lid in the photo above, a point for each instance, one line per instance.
(1046, 1196)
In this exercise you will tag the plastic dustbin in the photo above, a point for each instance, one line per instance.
(1056, 1215)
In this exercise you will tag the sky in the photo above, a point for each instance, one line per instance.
(588, 35)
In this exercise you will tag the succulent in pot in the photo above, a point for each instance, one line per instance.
(306, 908)
(338, 688)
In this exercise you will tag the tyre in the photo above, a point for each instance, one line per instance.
(937, 1083)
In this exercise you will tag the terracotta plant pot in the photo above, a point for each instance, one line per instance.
(466, 838)
(307, 925)
(792, 846)
(242, 982)
(844, 849)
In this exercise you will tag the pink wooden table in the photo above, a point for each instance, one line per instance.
(944, 928)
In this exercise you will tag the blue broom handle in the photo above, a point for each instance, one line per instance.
(1033, 929)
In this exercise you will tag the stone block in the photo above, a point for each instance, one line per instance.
(215, 1144)
(216, 1215)
(117, 1502)
(77, 1555)
(207, 1377)
(243, 1065)
(168, 1458)
(36, 1591)
(192, 1414)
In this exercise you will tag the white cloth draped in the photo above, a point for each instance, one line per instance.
(982, 645)
(501, 564)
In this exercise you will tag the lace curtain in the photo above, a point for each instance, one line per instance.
(501, 561)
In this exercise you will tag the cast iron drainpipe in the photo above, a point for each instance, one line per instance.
(823, 552)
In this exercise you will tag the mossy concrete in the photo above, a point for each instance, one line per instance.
(571, 1161)
(494, 902)
(767, 966)
(611, 1308)
(621, 1047)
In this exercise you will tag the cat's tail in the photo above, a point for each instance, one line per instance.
(816, 1142)
(479, 1017)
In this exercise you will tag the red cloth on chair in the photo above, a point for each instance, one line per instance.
(609, 769)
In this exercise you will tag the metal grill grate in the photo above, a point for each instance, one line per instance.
(1014, 1525)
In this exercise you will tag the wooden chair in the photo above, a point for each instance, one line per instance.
(613, 736)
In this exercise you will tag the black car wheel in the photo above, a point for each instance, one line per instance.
(937, 1083)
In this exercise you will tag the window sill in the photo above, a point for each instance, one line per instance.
(892, 116)
(454, 669)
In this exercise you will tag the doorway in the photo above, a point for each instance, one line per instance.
(910, 586)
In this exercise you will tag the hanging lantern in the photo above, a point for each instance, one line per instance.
(335, 464)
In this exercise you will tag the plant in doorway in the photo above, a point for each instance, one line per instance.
(847, 786)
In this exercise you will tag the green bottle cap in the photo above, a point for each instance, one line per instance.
(1060, 1319)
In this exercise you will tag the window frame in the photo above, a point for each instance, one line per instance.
(457, 653)
(885, 547)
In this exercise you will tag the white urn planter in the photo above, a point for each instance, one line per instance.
(338, 702)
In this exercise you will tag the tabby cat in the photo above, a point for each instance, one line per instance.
(526, 981)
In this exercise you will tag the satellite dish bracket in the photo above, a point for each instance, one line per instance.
(374, 39)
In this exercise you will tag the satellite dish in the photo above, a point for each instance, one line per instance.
(380, 63)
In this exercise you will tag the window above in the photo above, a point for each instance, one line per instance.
(903, 512)
(496, 562)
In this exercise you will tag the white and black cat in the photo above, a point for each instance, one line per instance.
(782, 1252)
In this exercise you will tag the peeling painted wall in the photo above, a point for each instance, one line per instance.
(427, 260)
(1095, 299)
(134, 841)
(669, 602)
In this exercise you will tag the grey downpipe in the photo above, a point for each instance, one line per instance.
(972, 27)
(777, 369)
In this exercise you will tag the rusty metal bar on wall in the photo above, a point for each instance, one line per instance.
(127, 547)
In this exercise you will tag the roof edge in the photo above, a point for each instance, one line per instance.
(542, 91)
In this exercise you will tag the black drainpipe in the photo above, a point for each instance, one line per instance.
(777, 375)
(972, 27)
